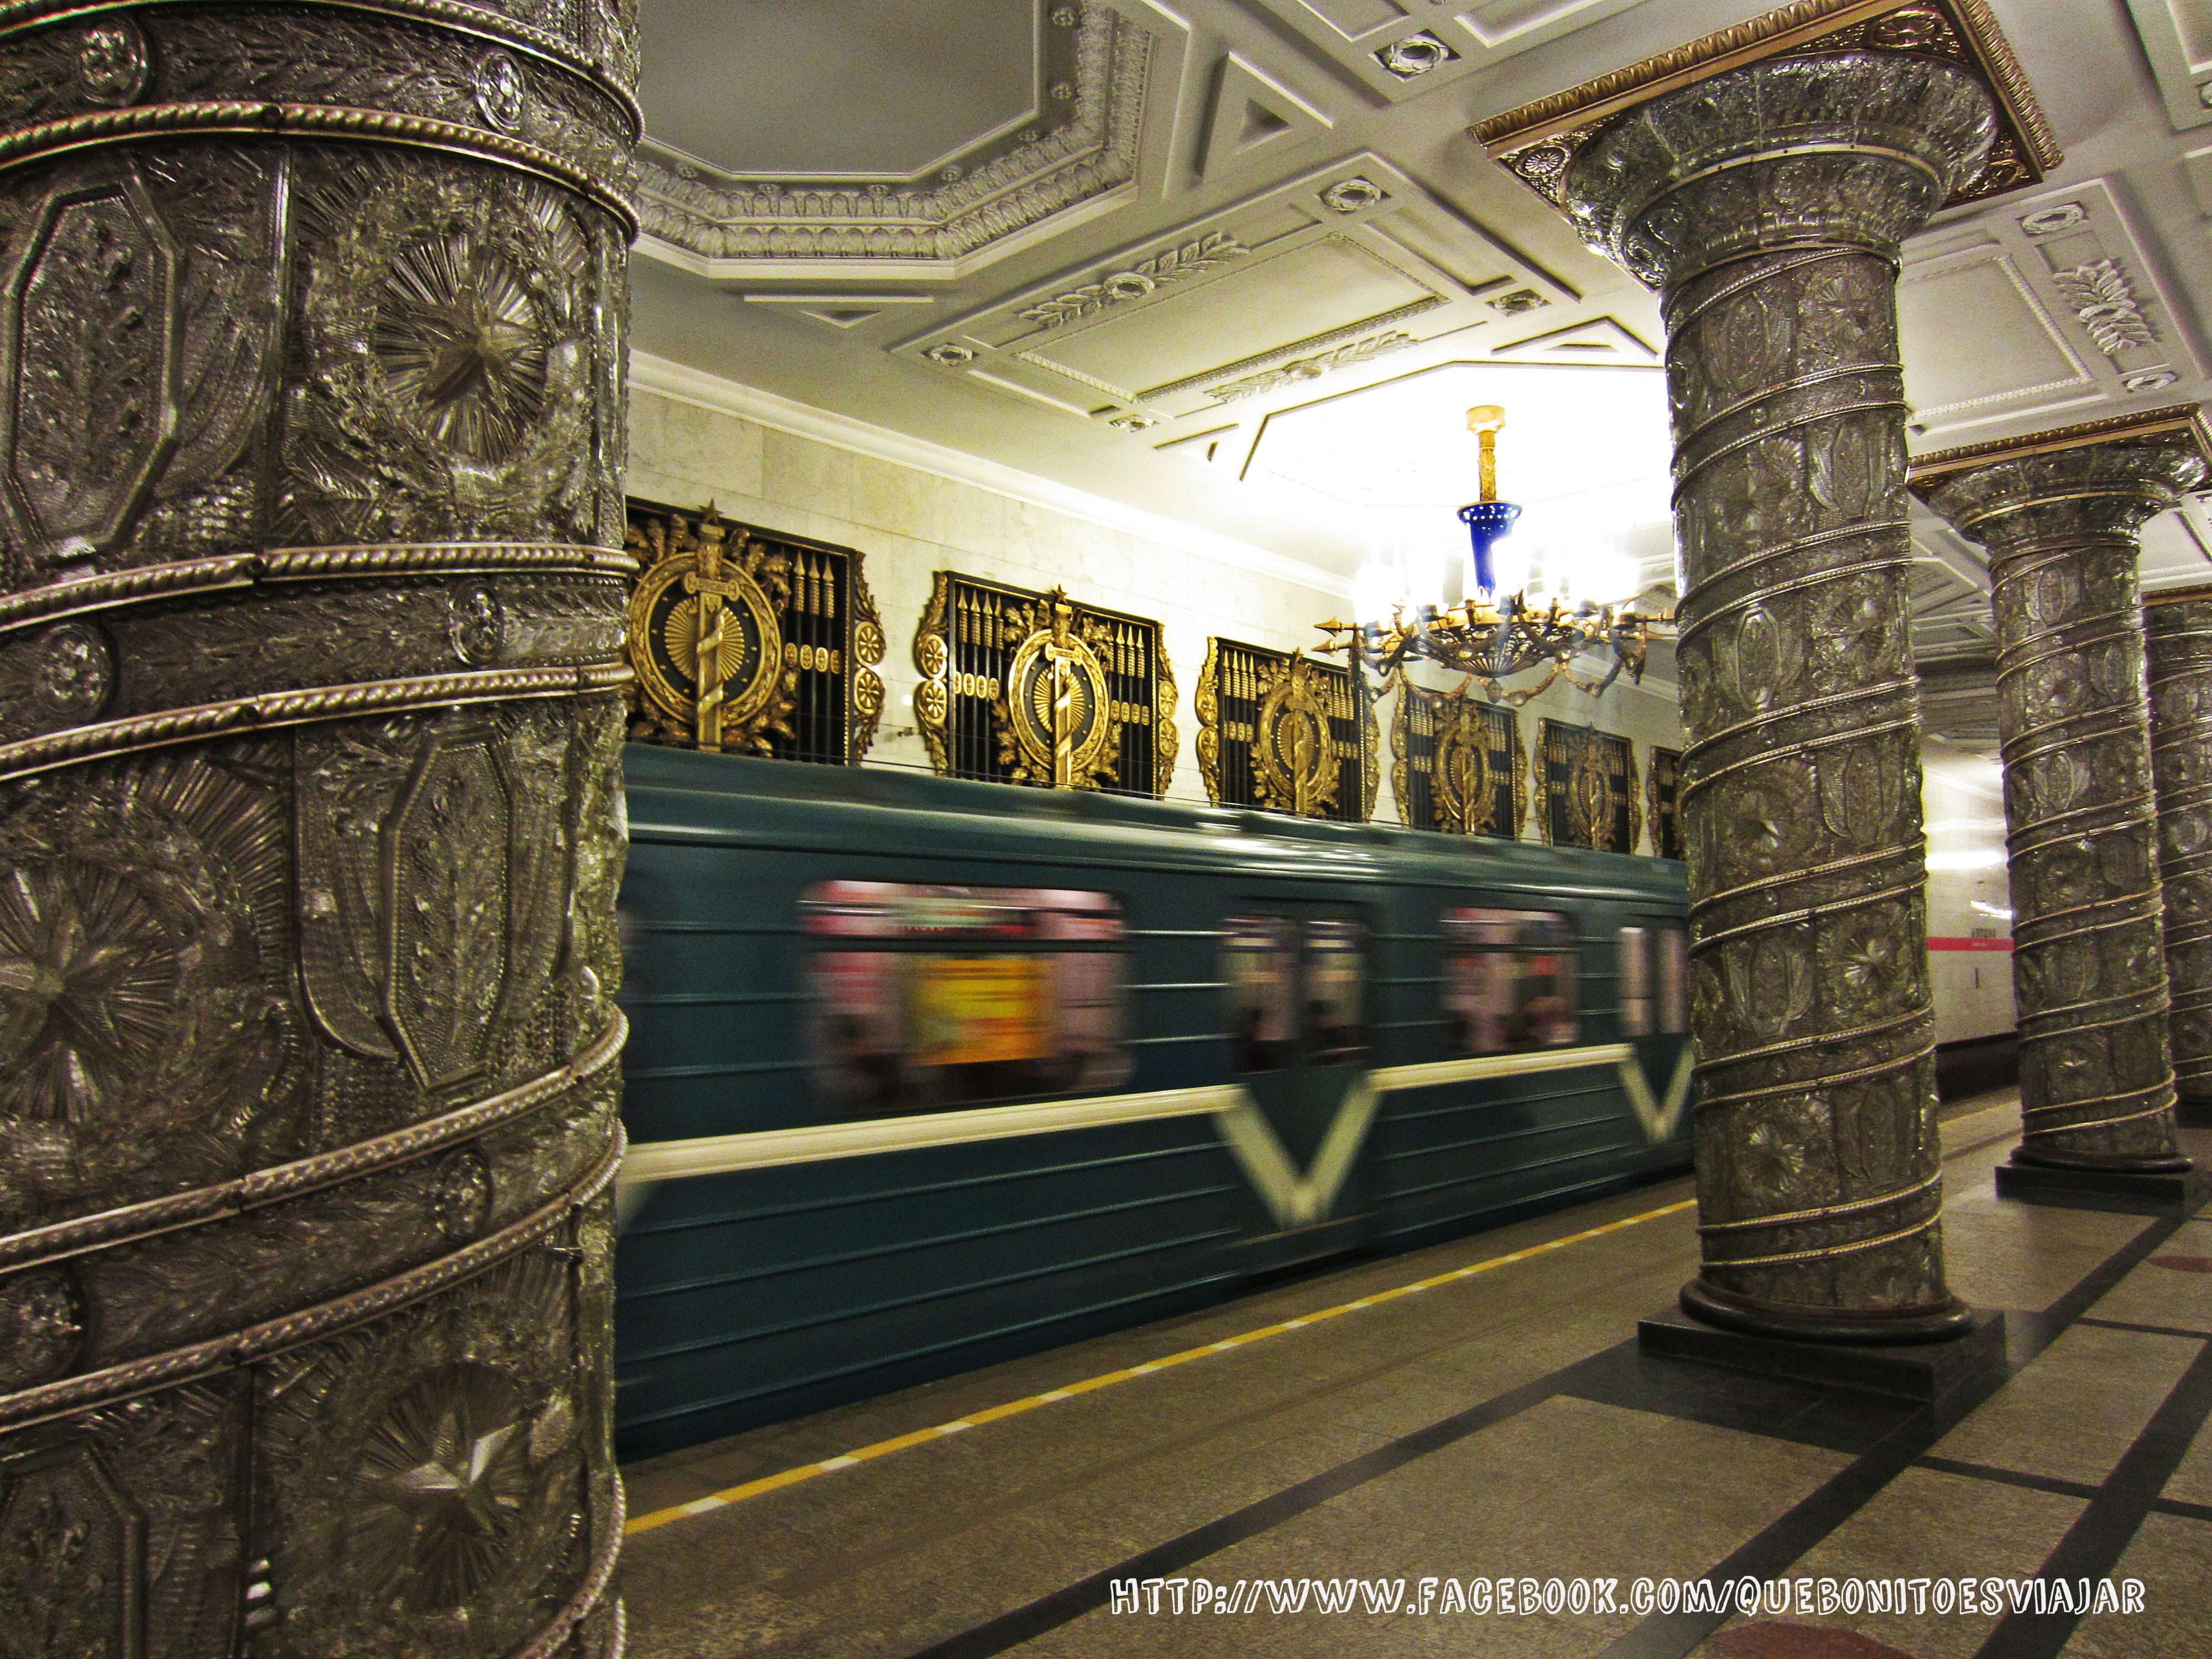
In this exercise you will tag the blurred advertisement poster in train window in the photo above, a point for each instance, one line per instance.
(1674, 980)
(979, 1010)
(1509, 980)
(1336, 988)
(1260, 981)
(959, 996)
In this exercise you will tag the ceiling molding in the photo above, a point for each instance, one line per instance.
(1254, 116)
(1604, 340)
(838, 311)
(1323, 273)
(2069, 313)
(1402, 49)
(2167, 28)
(1037, 181)
(667, 378)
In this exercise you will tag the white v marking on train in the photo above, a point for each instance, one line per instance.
(1660, 1119)
(1296, 1200)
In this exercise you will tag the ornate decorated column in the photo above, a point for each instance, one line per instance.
(1763, 179)
(2177, 625)
(310, 826)
(2059, 513)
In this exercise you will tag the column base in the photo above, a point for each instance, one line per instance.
(2195, 1113)
(2131, 1191)
(1913, 1371)
(1710, 1307)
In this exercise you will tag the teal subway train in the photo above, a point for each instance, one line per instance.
(926, 1074)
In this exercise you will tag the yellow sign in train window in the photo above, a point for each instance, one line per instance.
(973, 1011)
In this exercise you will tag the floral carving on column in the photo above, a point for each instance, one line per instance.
(311, 618)
(1766, 194)
(2179, 631)
(2060, 513)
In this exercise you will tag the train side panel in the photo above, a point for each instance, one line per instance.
(760, 1293)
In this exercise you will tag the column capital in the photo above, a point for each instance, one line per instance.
(2107, 475)
(2199, 593)
(1540, 142)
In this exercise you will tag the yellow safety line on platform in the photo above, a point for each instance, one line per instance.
(723, 1499)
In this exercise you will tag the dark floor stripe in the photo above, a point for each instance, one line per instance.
(2007, 1477)
(1772, 1552)
(1062, 1606)
(2093, 1546)
(1660, 1636)
(2182, 1507)
(2147, 1330)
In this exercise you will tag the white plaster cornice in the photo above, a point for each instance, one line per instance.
(667, 378)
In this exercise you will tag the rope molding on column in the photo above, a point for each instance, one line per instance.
(25, 16)
(114, 1383)
(547, 1641)
(144, 122)
(133, 1222)
(276, 708)
(143, 584)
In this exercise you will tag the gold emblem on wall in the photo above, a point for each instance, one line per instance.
(1467, 797)
(1033, 688)
(1593, 798)
(1590, 789)
(706, 639)
(1293, 752)
(1280, 730)
(749, 640)
(1459, 765)
(1662, 778)
(1055, 722)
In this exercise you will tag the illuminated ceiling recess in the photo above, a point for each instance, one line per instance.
(1237, 263)
(1499, 631)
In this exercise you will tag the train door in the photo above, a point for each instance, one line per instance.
(1296, 1021)
(1654, 1020)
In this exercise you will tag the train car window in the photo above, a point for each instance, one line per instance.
(921, 998)
(1635, 981)
(1336, 988)
(1509, 980)
(1260, 977)
(1293, 990)
(1674, 998)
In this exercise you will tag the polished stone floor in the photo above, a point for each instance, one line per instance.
(1497, 1425)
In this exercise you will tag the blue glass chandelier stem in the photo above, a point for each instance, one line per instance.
(1487, 522)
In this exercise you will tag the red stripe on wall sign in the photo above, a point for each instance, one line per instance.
(1970, 944)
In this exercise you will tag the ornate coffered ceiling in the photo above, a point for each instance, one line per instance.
(1019, 118)
(1149, 250)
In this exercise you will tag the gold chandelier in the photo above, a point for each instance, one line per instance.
(1492, 639)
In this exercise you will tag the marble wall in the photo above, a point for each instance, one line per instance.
(710, 440)
(1969, 897)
